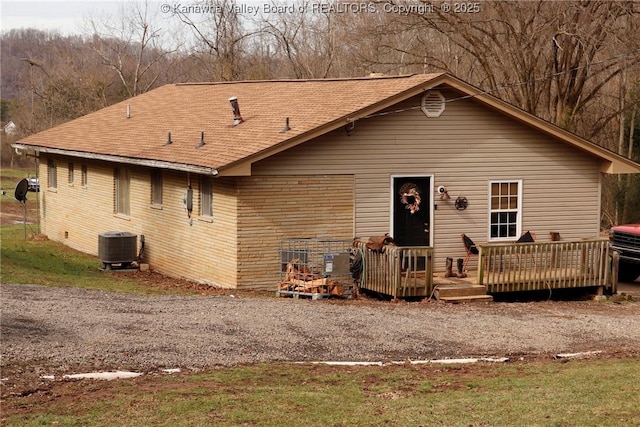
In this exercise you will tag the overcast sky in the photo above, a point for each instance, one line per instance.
(69, 17)
(66, 17)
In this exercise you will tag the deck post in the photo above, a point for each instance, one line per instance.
(397, 274)
(481, 265)
(615, 260)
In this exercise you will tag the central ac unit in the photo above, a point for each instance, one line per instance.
(117, 247)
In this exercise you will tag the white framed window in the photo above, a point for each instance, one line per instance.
(505, 209)
(156, 186)
(206, 196)
(52, 174)
(122, 184)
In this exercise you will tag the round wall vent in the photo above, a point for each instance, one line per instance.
(432, 103)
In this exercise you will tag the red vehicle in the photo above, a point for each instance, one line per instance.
(626, 240)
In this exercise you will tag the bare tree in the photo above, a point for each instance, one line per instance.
(132, 48)
(59, 81)
(590, 50)
(306, 41)
(550, 58)
(220, 38)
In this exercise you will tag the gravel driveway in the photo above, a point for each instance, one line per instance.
(68, 327)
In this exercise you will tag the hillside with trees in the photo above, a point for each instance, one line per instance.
(573, 63)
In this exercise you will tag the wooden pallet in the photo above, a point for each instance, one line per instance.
(298, 294)
(295, 290)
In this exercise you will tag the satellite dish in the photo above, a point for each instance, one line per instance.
(21, 190)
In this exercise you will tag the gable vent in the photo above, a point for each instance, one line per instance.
(432, 103)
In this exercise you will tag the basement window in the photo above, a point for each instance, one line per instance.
(432, 103)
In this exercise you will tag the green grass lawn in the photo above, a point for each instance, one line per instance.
(44, 262)
(578, 393)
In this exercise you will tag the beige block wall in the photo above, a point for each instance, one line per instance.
(255, 212)
(197, 248)
(271, 208)
(463, 149)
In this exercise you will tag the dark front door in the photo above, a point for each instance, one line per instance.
(411, 211)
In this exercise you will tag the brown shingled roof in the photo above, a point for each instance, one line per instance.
(186, 110)
(314, 107)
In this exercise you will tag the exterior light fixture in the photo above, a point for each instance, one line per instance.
(444, 194)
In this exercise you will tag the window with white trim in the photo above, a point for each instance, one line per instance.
(122, 184)
(505, 209)
(206, 196)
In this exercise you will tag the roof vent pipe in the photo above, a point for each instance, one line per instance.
(169, 141)
(201, 140)
(287, 128)
(128, 111)
(237, 118)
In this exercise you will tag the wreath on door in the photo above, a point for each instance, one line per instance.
(410, 197)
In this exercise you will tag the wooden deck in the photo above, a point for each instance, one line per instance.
(519, 267)
(506, 267)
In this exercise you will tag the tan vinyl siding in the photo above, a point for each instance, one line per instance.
(273, 208)
(464, 148)
(200, 249)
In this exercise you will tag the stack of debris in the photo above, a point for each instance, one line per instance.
(298, 278)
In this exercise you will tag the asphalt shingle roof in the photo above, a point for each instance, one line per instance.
(186, 110)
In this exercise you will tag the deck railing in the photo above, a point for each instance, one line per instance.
(398, 271)
(512, 267)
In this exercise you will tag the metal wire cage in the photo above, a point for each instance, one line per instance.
(315, 267)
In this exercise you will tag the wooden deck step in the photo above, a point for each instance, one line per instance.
(459, 290)
(467, 298)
